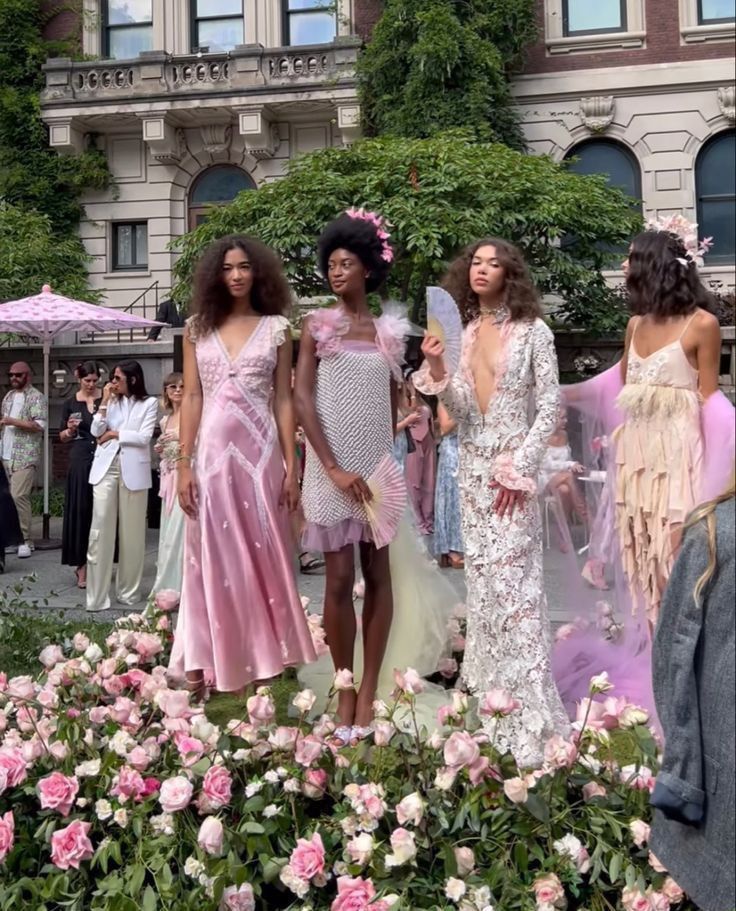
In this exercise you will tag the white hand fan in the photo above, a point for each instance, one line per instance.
(444, 322)
(388, 505)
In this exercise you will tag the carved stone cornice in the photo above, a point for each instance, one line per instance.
(216, 139)
(260, 133)
(727, 102)
(167, 144)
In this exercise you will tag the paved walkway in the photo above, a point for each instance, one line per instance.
(55, 586)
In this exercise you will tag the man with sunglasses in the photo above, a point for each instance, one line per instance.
(23, 421)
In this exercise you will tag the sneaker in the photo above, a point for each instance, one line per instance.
(24, 551)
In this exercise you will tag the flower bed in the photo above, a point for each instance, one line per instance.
(116, 794)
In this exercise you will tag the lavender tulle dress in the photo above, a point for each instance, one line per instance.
(240, 617)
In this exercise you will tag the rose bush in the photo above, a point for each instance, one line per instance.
(117, 794)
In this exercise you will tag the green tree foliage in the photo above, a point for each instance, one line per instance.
(31, 174)
(433, 65)
(439, 194)
(33, 253)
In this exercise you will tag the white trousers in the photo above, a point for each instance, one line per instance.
(116, 508)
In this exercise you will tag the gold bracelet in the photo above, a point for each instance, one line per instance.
(183, 458)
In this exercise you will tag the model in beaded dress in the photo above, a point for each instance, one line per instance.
(347, 375)
(240, 617)
(508, 362)
(170, 560)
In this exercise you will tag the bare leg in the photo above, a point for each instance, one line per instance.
(339, 621)
(378, 610)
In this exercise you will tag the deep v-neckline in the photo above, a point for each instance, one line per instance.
(233, 360)
(471, 372)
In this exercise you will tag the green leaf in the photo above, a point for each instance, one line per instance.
(538, 807)
(614, 868)
(150, 902)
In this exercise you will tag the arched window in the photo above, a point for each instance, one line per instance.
(715, 183)
(613, 161)
(216, 187)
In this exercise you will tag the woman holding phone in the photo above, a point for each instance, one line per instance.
(76, 432)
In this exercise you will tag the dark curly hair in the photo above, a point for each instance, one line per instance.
(658, 282)
(520, 295)
(360, 238)
(212, 302)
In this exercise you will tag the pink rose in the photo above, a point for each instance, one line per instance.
(147, 645)
(128, 783)
(139, 759)
(13, 765)
(592, 789)
(353, 894)
(635, 900)
(21, 688)
(71, 846)
(410, 810)
(173, 703)
(409, 682)
(190, 749)
(549, 891)
(283, 738)
(658, 901)
(122, 709)
(465, 860)
(7, 835)
(176, 793)
(210, 835)
(461, 750)
(498, 703)
(166, 600)
(516, 789)
(80, 642)
(217, 786)
(238, 898)
(344, 680)
(261, 709)
(640, 831)
(308, 751)
(57, 792)
(150, 786)
(50, 656)
(672, 891)
(656, 864)
(404, 848)
(308, 858)
(560, 753)
(315, 783)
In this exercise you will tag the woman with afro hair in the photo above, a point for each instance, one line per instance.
(345, 393)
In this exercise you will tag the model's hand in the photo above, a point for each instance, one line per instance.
(506, 500)
(186, 488)
(577, 468)
(107, 436)
(290, 492)
(352, 484)
(412, 419)
(433, 350)
(107, 394)
(8, 422)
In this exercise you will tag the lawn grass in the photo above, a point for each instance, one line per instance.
(224, 707)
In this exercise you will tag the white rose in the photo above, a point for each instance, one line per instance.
(411, 809)
(88, 769)
(93, 653)
(121, 817)
(455, 889)
(304, 701)
(193, 867)
(271, 810)
(103, 809)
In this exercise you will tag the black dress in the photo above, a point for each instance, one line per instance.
(10, 534)
(78, 500)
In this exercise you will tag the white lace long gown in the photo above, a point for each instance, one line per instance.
(508, 638)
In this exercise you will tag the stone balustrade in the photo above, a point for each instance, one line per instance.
(157, 74)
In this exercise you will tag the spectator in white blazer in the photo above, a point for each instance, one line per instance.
(121, 476)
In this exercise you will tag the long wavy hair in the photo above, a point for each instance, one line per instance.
(520, 295)
(213, 303)
(662, 280)
(705, 515)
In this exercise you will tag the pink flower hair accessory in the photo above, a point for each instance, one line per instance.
(380, 225)
(687, 231)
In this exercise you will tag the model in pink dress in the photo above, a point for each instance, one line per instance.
(421, 468)
(241, 619)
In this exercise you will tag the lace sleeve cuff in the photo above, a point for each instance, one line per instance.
(424, 383)
(505, 473)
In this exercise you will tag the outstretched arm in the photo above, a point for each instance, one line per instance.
(283, 408)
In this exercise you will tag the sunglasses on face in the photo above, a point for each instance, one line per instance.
(19, 376)
(175, 386)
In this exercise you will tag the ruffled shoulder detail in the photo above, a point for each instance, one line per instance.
(327, 326)
(280, 329)
(392, 331)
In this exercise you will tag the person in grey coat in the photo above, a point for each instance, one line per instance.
(695, 690)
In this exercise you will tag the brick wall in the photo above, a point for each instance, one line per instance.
(366, 13)
(65, 23)
(663, 45)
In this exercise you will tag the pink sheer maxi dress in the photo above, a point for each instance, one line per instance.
(241, 617)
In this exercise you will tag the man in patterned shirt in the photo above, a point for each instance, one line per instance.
(22, 422)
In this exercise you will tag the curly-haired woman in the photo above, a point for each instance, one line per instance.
(240, 618)
(508, 356)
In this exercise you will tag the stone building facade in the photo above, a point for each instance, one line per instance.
(200, 106)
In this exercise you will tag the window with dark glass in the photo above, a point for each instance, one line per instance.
(591, 17)
(715, 182)
(715, 11)
(217, 24)
(614, 162)
(130, 245)
(128, 28)
(216, 186)
(309, 21)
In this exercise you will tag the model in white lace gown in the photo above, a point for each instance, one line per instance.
(504, 368)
